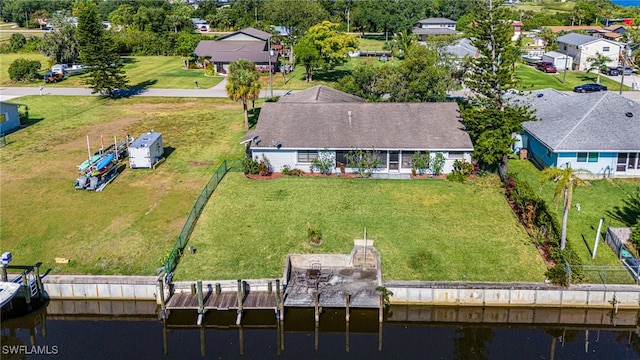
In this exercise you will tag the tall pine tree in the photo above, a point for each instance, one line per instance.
(490, 119)
(97, 50)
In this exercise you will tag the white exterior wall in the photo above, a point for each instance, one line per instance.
(559, 61)
(240, 37)
(582, 53)
(281, 157)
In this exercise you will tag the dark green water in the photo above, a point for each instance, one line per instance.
(408, 333)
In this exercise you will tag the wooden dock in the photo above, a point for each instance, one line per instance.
(254, 300)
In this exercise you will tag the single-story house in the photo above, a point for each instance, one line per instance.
(295, 129)
(559, 60)
(435, 26)
(598, 132)
(248, 43)
(462, 48)
(517, 29)
(9, 116)
(582, 47)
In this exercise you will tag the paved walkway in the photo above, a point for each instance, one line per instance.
(218, 91)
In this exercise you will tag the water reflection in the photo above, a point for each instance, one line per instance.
(408, 332)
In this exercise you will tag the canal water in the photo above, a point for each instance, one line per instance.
(407, 333)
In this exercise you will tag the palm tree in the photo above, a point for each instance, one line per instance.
(406, 40)
(598, 62)
(243, 85)
(566, 181)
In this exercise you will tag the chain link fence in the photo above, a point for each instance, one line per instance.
(172, 259)
(594, 274)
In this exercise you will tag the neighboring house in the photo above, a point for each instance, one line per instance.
(517, 30)
(582, 47)
(462, 48)
(435, 26)
(559, 60)
(599, 132)
(9, 116)
(248, 43)
(293, 130)
(587, 28)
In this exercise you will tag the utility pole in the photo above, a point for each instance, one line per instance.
(566, 60)
(270, 70)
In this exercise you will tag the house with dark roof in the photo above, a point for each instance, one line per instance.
(435, 26)
(598, 132)
(581, 47)
(295, 129)
(249, 43)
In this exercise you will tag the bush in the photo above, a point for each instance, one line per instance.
(364, 161)
(461, 171)
(17, 42)
(286, 170)
(437, 163)
(420, 162)
(324, 162)
(24, 70)
(250, 166)
(264, 167)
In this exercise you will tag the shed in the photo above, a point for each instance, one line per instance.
(146, 150)
(9, 116)
(559, 60)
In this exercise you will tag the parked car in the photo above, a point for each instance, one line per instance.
(585, 88)
(53, 76)
(610, 71)
(627, 70)
(546, 66)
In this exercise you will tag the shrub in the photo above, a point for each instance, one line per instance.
(264, 167)
(314, 234)
(364, 161)
(420, 162)
(286, 170)
(437, 163)
(461, 171)
(250, 166)
(24, 70)
(17, 41)
(324, 162)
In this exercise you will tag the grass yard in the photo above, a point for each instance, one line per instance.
(423, 229)
(533, 79)
(597, 200)
(162, 72)
(133, 223)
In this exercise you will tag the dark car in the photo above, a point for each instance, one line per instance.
(585, 88)
(627, 70)
(546, 66)
(610, 71)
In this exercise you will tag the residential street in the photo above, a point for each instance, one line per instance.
(218, 91)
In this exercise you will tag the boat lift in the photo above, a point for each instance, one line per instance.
(103, 166)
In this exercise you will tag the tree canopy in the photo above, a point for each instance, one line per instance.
(324, 47)
(243, 85)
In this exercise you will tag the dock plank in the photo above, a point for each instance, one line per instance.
(223, 301)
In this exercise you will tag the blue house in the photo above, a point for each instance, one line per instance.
(598, 132)
(9, 117)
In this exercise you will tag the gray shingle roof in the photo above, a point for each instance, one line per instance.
(417, 126)
(462, 48)
(258, 34)
(228, 51)
(585, 122)
(437, 21)
(320, 94)
(576, 39)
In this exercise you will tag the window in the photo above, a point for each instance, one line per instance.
(548, 153)
(307, 156)
(588, 157)
(455, 154)
(3, 117)
(605, 48)
(341, 157)
(407, 157)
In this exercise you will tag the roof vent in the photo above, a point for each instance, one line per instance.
(349, 112)
(540, 95)
(629, 114)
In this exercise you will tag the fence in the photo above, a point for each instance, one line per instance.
(595, 274)
(172, 259)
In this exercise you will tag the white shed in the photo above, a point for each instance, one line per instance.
(559, 60)
(146, 150)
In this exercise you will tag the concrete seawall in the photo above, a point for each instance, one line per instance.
(513, 294)
(101, 287)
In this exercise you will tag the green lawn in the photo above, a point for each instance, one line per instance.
(162, 72)
(370, 44)
(532, 79)
(133, 223)
(423, 229)
(597, 200)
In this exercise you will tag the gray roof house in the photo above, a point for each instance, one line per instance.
(598, 132)
(248, 43)
(435, 26)
(582, 47)
(292, 131)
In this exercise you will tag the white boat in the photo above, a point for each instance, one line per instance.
(354, 53)
(8, 291)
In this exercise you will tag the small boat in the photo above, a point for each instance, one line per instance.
(354, 53)
(8, 290)
(82, 167)
(104, 162)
